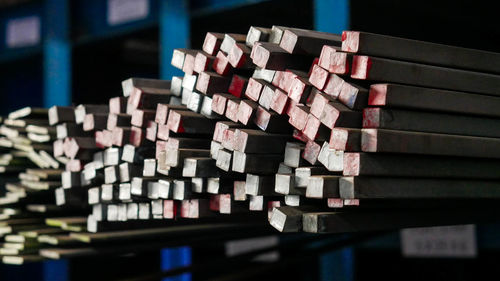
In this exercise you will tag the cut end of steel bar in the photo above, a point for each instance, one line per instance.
(377, 94)
(346, 188)
(369, 140)
(351, 164)
(350, 41)
(371, 118)
(360, 67)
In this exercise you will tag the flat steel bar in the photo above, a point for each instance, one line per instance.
(376, 164)
(387, 70)
(417, 188)
(212, 42)
(271, 122)
(189, 122)
(419, 51)
(257, 34)
(336, 114)
(375, 220)
(303, 174)
(323, 186)
(395, 119)
(221, 64)
(238, 85)
(345, 139)
(258, 185)
(256, 141)
(272, 56)
(256, 163)
(310, 42)
(380, 140)
(210, 83)
(410, 97)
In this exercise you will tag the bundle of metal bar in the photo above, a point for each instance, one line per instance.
(343, 120)
(31, 145)
(284, 123)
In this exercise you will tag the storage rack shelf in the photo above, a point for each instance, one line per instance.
(63, 25)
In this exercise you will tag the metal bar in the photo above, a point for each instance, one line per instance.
(246, 111)
(376, 164)
(288, 219)
(345, 139)
(259, 185)
(273, 57)
(336, 114)
(342, 222)
(257, 34)
(323, 187)
(410, 97)
(303, 174)
(210, 83)
(256, 141)
(380, 140)
(256, 163)
(421, 52)
(395, 119)
(300, 89)
(387, 70)
(212, 43)
(180, 121)
(307, 42)
(416, 188)
(330, 158)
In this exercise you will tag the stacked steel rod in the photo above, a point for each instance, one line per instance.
(314, 131)
(33, 175)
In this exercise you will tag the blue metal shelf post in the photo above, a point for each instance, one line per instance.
(57, 54)
(334, 16)
(331, 15)
(174, 33)
(176, 257)
(56, 270)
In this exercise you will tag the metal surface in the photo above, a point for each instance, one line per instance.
(418, 98)
(380, 140)
(387, 70)
(375, 164)
(418, 51)
(395, 119)
(416, 188)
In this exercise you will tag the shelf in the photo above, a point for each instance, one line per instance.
(486, 236)
(97, 19)
(21, 31)
(66, 24)
(207, 7)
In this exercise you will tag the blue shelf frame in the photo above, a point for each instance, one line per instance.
(171, 16)
(57, 54)
(8, 54)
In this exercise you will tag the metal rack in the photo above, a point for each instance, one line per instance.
(50, 23)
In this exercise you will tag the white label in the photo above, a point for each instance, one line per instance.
(444, 241)
(23, 32)
(122, 11)
(238, 247)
